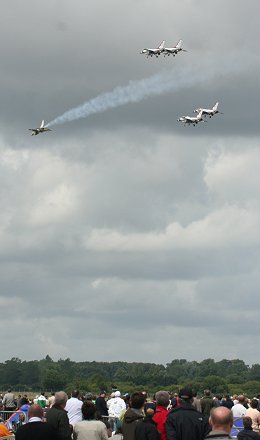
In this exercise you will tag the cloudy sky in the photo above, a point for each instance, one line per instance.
(124, 235)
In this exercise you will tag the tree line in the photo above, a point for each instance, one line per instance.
(225, 376)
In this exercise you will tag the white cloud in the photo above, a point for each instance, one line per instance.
(234, 175)
(228, 226)
(127, 223)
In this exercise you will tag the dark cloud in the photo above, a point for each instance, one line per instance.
(127, 221)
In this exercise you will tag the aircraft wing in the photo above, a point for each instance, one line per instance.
(168, 50)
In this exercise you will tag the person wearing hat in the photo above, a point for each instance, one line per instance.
(185, 422)
(115, 408)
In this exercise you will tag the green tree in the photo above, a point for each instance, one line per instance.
(13, 371)
(53, 380)
(254, 373)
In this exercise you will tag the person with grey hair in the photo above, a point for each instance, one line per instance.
(57, 417)
(161, 412)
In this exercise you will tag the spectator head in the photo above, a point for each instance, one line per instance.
(75, 393)
(149, 412)
(21, 417)
(137, 400)
(88, 410)
(88, 396)
(247, 422)
(186, 394)
(254, 403)
(24, 401)
(61, 398)
(221, 419)
(241, 399)
(162, 398)
(207, 393)
(35, 410)
(117, 394)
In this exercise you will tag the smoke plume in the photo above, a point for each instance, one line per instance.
(134, 91)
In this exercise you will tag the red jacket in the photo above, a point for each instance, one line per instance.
(159, 418)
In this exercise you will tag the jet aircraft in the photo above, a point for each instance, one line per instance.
(191, 119)
(208, 111)
(173, 50)
(157, 51)
(39, 130)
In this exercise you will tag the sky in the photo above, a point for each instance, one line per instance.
(125, 236)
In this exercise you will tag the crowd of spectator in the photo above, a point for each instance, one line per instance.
(166, 416)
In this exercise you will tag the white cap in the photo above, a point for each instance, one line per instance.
(117, 394)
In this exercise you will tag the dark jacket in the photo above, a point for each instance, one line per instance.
(35, 430)
(58, 419)
(218, 435)
(146, 430)
(186, 423)
(248, 434)
(101, 406)
(130, 420)
(228, 403)
(206, 403)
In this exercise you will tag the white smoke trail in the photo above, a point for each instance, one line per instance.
(134, 91)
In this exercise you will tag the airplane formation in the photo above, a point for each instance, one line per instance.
(202, 113)
(167, 51)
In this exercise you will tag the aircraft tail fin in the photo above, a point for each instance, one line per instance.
(42, 124)
(215, 106)
(178, 45)
(162, 45)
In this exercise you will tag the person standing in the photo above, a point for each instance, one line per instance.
(89, 428)
(185, 422)
(146, 428)
(207, 403)
(133, 415)
(9, 401)
(35, 428)
(42, 400)
(73, 408)
(101, 404)
(247, 433)
(161, 412)
(239, 410)
(254, 414)
(57, 417)
(221, 422)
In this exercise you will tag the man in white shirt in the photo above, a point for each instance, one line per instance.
(73, 407)
(239, 410)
